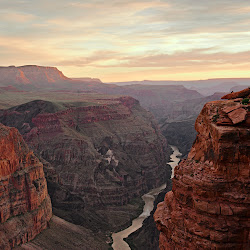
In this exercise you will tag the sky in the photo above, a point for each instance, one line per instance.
(129, 40)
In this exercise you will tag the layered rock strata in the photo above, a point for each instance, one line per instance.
(104, 155)
(25, 206)
(208, 207)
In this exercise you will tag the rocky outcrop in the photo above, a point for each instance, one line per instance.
(25, 206)
(208, 207)
(104, 155)
(243, 93)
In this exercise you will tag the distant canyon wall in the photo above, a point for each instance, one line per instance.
(93, 155)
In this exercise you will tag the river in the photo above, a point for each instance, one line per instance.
(118, 242)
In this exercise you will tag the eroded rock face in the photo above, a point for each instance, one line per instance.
(104, 155)
(25, 206)
(208, 207)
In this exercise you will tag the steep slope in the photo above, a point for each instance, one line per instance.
(178, 120)
(64, 235)
(105, 155)
(208, 207)
(25, 206)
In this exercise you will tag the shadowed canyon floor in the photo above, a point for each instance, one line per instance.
(65, 235)
(149, 199)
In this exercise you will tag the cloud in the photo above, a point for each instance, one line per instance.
(16, 17)
(196, 57)
(125, 36)
(94, 59)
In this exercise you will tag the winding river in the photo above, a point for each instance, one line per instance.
(118, 242)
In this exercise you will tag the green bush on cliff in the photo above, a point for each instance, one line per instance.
(245, 101)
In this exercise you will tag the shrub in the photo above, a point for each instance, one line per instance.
(245, 101)
(215, 117)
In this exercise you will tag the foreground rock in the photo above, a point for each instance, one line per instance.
(240, 94)
(208, 207)
(64, 235)
(25, 206)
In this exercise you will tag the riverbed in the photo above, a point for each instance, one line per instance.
(118, 242)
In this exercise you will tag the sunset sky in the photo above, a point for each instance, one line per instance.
(129, 40)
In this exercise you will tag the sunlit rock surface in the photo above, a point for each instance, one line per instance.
(25, 206)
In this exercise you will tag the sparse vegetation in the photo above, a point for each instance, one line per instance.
(215, 117)
(245, 101)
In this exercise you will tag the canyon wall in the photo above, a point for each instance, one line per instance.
(95, 155)
(177, 121)
(25, 206)
(208, 207)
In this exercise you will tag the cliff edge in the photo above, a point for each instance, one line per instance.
(25, 206)
(208, 207)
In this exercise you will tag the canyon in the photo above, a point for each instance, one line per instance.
(175, 104)
(100, 149)
(99, 157)
(147, 237)
(25, 206)
(208, 207)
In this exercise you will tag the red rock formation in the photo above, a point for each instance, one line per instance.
(25, 206)
(240, 94)
(105, 154)
(32, 77)
(30, 74)
(208, 207)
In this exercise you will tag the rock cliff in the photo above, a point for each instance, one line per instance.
(104, 155)
(177, 121)
(30, 74)
(25, 206)
(208, 207)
